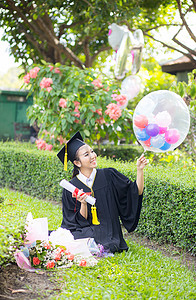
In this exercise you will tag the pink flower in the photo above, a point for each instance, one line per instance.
(76, 121)
(76, 112)
(100, 120)
(49, 89)
(60, 250)
(76, 103)
(114, 111)
(51, 67)
(33, 72)
(47, 246)
(48, 147)
(41, 144)
(61, 140)
(50, 264)
(82, 263)
(97, 83)
(99, 111)
(114, 96)
(46, 82)
(121, 100)
(63, 103)
(57, 71)
(58, 256)
(70, 257)
(27, 78)
(107, 89)
(36, 261)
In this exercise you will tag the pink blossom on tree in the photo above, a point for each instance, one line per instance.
(99, 111)
(100, 120)
(76, 112)
(63, 103)
(48, 147)
(76, 103)
(61, 140)
(46, 83)
(26, 78)
(33, 72)
(114, 111)
(57, 71)
(121, 99)
(97, 83)
(51, 67)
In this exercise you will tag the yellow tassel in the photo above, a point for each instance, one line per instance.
(95, 221)
(65, 158)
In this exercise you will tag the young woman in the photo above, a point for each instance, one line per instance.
(117, 197)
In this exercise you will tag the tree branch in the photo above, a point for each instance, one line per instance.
(104, 48)
(87, 52)
(182, 45)
(184, 21)
(173, 48)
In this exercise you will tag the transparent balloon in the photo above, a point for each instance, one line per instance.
(131, 86)
(128, 47)
(161, 121)
(116, 34)
(121, 57)
(137, 40)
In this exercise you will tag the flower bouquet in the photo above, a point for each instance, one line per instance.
(45, 255)
(47, 252)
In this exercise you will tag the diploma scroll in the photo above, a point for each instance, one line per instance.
(71, 188)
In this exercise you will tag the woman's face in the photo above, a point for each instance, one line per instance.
(87, 157)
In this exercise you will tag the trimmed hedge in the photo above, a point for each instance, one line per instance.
(169, 210)
(122, 152)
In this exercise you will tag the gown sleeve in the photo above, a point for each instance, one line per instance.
(72, 219)
(128, 201)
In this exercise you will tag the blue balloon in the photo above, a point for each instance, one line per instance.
(142, 135)
(166, 146)
(157, 141)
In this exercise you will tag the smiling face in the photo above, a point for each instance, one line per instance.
(86, 158)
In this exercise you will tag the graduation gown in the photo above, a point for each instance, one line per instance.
(116, 197)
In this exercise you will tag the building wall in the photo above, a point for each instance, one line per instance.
(13, 108)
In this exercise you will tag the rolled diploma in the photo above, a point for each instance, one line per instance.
(71, 188)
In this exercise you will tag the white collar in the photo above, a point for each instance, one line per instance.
(87, 181)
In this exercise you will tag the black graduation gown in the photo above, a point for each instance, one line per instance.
(116, 196)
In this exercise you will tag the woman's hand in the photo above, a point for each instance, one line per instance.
(141, 162)
(81, 196)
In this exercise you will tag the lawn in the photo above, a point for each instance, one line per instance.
(139, 273)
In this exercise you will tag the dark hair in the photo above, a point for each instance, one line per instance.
(76, 169)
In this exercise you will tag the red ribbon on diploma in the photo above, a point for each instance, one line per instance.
(75, 194)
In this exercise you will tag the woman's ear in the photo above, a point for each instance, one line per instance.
(77, 163)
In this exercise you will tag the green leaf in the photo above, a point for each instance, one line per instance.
(86, 132)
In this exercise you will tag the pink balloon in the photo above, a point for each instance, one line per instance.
(148, 143)
(141, 121)
(172, 136)
(162, 130)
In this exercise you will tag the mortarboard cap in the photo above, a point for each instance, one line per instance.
(68, 152)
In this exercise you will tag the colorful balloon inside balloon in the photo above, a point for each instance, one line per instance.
(161, 121)
(140, 121)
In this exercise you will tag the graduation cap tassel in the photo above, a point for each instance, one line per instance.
(65, 158)
(95, 220)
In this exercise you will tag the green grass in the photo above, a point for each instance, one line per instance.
(139, 273)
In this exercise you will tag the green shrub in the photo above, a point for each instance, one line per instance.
(122, 152)
(168, 214)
